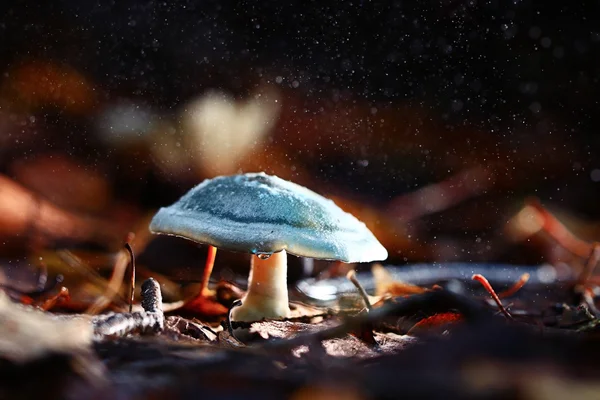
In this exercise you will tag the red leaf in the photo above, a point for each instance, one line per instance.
(437, 320)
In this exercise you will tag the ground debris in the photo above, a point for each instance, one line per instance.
(150, 320)
(385, 284)
(194, 330)
(20, 339)
(290, 358)
(371, 352)
(287, 329)
(29, 335)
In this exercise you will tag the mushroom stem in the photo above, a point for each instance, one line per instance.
(267, 295)
(208, 267)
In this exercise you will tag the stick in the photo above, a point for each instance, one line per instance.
(131, 276)
(351, 275)
(590, 265)
(439, 300)
(516, 287)
(559, 232)
(481, 279)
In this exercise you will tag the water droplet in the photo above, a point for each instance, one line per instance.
(264, 256)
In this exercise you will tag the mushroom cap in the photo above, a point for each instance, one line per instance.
(263, 214)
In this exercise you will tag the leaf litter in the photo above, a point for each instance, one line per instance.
(399, 327)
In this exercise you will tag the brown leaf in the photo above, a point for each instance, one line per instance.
(28, 218)
(205, 306)
(64, 182)
(386, 285)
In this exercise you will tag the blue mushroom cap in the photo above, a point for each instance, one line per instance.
(263, 214)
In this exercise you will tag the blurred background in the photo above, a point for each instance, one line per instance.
(433, 122)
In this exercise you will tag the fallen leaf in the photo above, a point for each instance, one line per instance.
(436, 321)
(385, 284)
(205, 306)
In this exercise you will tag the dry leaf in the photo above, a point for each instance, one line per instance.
(436, 321)
(386, 285)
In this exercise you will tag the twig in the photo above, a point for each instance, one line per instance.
(516, 287)
(590, 265)
(84, 269)
(559, 232)
(63, 295)
(114, 284)
(587, 298)
(131, 276)
(351, 275)
(438, 300)
(442, 195)
(481, 279)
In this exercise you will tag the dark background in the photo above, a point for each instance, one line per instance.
(521, 73)
(495, 57)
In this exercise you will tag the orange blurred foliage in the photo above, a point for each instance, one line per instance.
(35, 84)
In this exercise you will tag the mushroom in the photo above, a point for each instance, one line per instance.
(268, 217)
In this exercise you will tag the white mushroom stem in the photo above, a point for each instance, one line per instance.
(267, 295)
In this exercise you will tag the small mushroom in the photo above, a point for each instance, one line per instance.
(267, 216)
